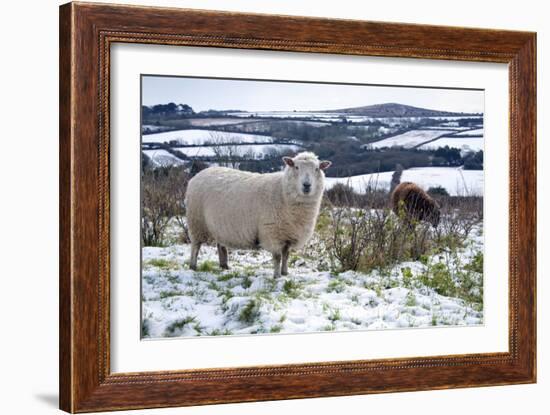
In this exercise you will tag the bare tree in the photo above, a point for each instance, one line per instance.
(227, 153)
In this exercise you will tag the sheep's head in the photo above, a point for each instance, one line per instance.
(304, 176)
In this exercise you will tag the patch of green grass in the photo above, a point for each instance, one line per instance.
(292, 288)
(329, 327)
(335, 315)
(424, 259)
(228, 276)
(208, 266)
(218, 332)
(439, 277)
(250, 312)
(162, 263)
(178, 325)
(171, 293)
(410, 299)
(198, 328)
(246, 282)
(476, 265)
(336, 285)
(407, 277)
(172, 278)
(276, 328)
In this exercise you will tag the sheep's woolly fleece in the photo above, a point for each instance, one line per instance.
(246, 210)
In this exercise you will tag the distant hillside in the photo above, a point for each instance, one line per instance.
(395, 110)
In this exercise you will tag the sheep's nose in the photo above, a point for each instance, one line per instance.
(307, 187)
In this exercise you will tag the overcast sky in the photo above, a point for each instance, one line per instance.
(222, 94)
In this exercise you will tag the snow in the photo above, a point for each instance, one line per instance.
(464, 143)
(248, 300)
(445, 127)
(477, 131)
(256, 151)
(455, 180)
(196, 136)
(162, 157)
(409, 139)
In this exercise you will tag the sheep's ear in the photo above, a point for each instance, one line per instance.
(288, 161)
(325, 164)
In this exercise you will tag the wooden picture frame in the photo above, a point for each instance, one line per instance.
(86, 33)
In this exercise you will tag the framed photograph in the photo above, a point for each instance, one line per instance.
(258, 207)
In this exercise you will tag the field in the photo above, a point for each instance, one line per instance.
(364, 269)
(409, 139)
(455, 180)
(247, 300)
(201, 137)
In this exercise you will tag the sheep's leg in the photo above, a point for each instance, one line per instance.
(195, 246)
(276, 265)
(222, 255)
(284, 264)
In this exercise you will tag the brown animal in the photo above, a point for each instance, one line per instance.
(413, 204)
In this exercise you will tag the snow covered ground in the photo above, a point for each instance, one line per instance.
(456, 180)
(248, 300)
(162, 158)
(195, 137)
(463, 143)
(478, 131)
(446, 127)
(256, 151)
(409, 139)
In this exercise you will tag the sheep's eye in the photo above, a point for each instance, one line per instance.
(296, 167)
(317, 169)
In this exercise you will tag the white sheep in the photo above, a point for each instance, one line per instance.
(243, 210)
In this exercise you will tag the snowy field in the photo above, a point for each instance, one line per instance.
(162, 158)
(254, 150)
(446, 128)
(197, 137)
(409, 139)
(456, 181)
(462, 143)
(248, 300)
(478, 131)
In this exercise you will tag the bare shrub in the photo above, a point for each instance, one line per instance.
(343, 194)
(163, 195)
(363, 238)
(349, 236)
